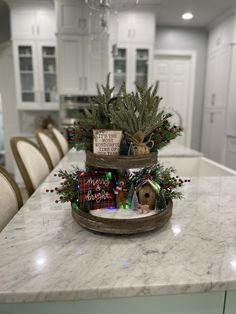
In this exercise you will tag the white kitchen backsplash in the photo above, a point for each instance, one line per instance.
(31, 120)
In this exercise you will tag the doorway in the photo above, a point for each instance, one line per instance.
(175, 72)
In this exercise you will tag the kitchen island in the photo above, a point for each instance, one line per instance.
(49, 264)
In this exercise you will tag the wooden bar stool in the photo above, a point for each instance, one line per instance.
(60, 140)
(33, 165)
(10, 198)
(48, 148)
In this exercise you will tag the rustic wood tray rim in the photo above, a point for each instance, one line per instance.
(123, 226)
(91, 154)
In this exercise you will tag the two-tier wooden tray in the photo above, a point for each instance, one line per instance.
(120, 162)
(123, 226)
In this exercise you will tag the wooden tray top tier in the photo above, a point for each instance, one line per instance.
(123, 226)
(120, 162)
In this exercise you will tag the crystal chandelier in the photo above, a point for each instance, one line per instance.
(101, 7)
(98, 5)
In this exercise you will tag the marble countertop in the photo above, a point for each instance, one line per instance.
(177, 150)
(45, 255)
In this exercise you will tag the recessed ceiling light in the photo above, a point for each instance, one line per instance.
(187, 16)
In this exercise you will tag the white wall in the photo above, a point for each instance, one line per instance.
(189, 39)
(7, 90)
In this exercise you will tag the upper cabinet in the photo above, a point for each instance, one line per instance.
(221, 35)
(74, 17)
(82, 48)
(136, 27)
(31, 21)
(33, 27)
(71, 18)
(82, 64)
(35, 75)
(132, 61)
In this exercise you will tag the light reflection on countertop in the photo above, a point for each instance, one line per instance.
(176, 229)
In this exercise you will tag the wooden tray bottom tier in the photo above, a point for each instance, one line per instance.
(123, 226)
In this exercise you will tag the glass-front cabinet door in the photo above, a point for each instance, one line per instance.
(49, 84)
(141, 66)
(133, 63)
(26, 76)
(120, 68)
(36, 80)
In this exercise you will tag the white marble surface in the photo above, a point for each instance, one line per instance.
(45, 255)
(177, 150)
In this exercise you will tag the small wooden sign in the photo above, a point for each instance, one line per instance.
(106, 142)
(96, 190)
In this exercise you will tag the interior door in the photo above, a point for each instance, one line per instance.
(173, 74)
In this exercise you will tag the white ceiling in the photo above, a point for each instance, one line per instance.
(169, 12)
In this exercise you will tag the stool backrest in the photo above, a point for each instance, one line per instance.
(10, 198)
(32, 164)
(48, 148)
(60, 139)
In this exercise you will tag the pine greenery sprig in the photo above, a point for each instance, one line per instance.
(136, 113)
(162, 176)
(67, 191)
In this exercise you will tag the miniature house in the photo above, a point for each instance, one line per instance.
(147, 193)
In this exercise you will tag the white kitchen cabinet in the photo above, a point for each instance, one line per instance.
(32, 20)
(231, 117)
(221, 35)
(74, 17)
(35, 74)
(217, 78)
(230, 158)
(136, 27)
(230, 305)
(47, 74)
(213, 135)
(133, 63)
(218, 108)
(70, 66)
(82, 64)
(95, 64)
